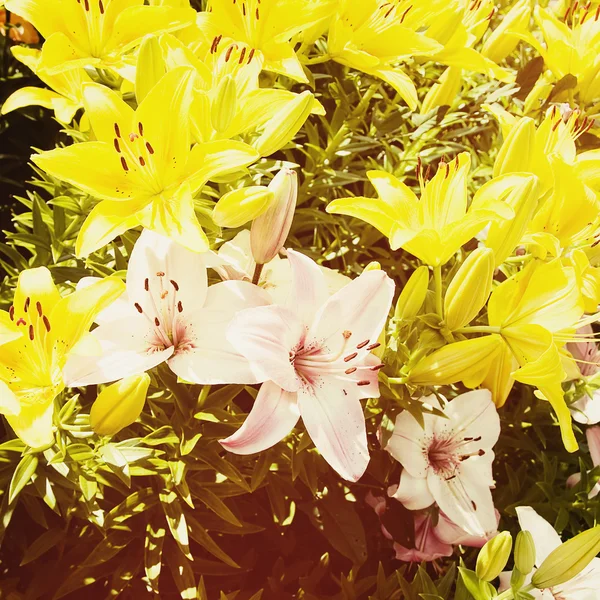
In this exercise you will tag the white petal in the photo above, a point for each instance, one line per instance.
(119, 309)
(586, 410)
(236, 258)
(335, 422)
(183, 274)
(273, 416)
(544, 536)
(265, 336)
(309, 288)
(361, 307)
(413, 492)
(125, 352)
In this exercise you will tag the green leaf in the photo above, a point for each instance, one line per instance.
(134, 504)
(22, 475)
(212, 501)
(479, 589)
(153, 546)
(182, 573)
(176, 520)
(109, 547)
(200, 535)
(49, 539)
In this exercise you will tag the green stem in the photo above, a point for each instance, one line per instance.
(439, 300)
(364, 102)
(317, 60)
(257, 271)
(509, 594)
(478, 329)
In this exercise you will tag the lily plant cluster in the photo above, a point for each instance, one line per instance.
(184, 126)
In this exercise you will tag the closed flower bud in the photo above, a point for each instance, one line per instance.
(413, 295)
(284, 125)
(568, 560)
(469, 289)
(515, 153)
(493, 556)
(150, 67)
(119, 404)
(524, 552)
(223, 106)
(503, 40)
(269, 231)
(238, 207)
(445, 91)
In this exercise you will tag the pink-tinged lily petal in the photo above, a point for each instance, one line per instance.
(309, 288)
(211, 359)
(573, 480)
(121, 308)
(592, 435)
(158, 265)
(413, 492)
(335, 422)
(125, 352)
(408, 443)
(273, 416)
(586, 410)
(266, 336)
(472, 415)
(450, 533)
(428, 546)
(361, 308)
(545, 538)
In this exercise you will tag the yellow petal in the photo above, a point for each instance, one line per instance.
(9, 404)
(37, 286)
(29, 96)
(60, 55)
(33, 424)
(499, 379)
(401, 82)
(517, 148)
(8, 330)
(109, 115)
(150, 67)
(37, 13)
(238, 207)
(94, 167)
(374, 211)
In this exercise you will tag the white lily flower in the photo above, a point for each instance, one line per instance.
(593, 439)
(449, 460)
(169, 313)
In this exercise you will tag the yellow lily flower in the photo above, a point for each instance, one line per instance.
(434, 228)
(228, 100)
(95, 33)
(142, 167)
(375, 36)
(266, 26)
(502, 40)
(48, 327)
(65, 98)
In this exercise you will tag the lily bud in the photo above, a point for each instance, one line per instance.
(445, 91)
(568, 559)
(119, 404)
(236, 208)
(469, 289)
(492, 558)
(224, 104)
(413, 295)
(524, 552)
(285, 124)
(270, 230)
(516, 149)
(503, 40)
(150, 67)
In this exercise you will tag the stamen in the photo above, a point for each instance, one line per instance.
(149, 148)
(138, 308)
(363, 382)
(146, 284)
(101, 7)
(117, 130)
(141, 128)
(11, 312)
(377, 367)
(405, 13)
(175, 285)
(31, 332)
(229, 51)
(350, 370)
(362, 344)
(117, 147)
(38, 306)
(46, 323)
(257, 14)
(373, 346)
(142, 162)
(242, 55)
(244, 8)
(251, 55)
(124, 164)
(180, 306)
(26, 306)
(156, 321)
(350, 356)
(87, 5)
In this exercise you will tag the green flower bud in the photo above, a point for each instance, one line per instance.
(270, 230)
(524, 552)
(119, 404)
(413, 295)
(568, 559)
(237, 207)
(469, 289)
(493, 556)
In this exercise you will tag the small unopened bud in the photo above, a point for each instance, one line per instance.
(237, 207)
(269, 231)
(412, 295)
(469, 289)
(119, 404)
(150, 67)
(568, 560)
(445, 91)
(524, 552)
(517, 148)
(493, 556)
(223, 106)
(505, 37)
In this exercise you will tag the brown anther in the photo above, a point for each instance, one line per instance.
(141, 128)
(46, 323)
(26, 305)
(242, 56)
(363, 382)
(101, 7)
(21, 321)
(86, 5)
(31, 336)
(388, 13)
(11, 312)
(175, 285)
(350, 357)
(117, 130)
(405, 13)
(373, 346)
(160, 273)
(149, 148)
(146, 284)
(156, 321)
(228, 54)
(350, 370)
(362, 344)
(138, 308)
(124, 164)
(481, 452)
(117, 147)
(180, 306)
(474, 505)
(377, 367)
(142, 162)
(250, 55)
(257, 14)
(597, 15)
(244, 8)
(38, 306)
